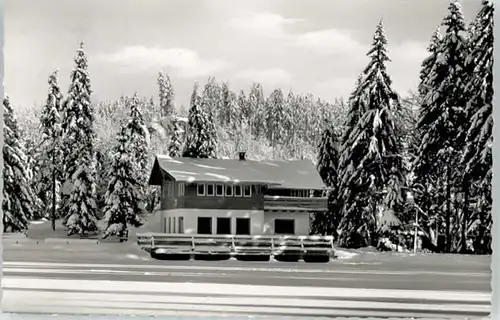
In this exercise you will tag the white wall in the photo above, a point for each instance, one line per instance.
(301, 221)
(261, 222)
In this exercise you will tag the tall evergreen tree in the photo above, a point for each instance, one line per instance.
(477, 155)
(175, 145)
(442, 114)
(276, 117)
(201, 140)
(256, 113)
(51, 156)
(79, 154)
(167, 95)
(371, 167)
(430, 61)
(139, 136)
(124, 194)
(19, 200)
(327, 165)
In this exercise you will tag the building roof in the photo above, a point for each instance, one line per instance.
(297, 174)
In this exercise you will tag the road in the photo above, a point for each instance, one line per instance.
(120, 279)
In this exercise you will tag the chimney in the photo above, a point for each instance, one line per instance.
(242, 155)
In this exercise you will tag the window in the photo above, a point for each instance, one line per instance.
(237, 191)
(167, 225)
(229, 191)
(243, 226)
(168, 189)
(182, 189)
(200, 189)
(284, 226)
(219, 190)
(174, 220)
(223, 225)
(204, 225)
(210, 189)
(180, 225)
(247, 191)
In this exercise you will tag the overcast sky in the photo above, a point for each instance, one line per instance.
(315, 46)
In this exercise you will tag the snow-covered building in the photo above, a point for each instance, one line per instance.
(236, 196)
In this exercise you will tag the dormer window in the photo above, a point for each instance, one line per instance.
(210, 189)
(229, 191)
(238, 192)
(200, 189)
(247, 191)
(219, 190)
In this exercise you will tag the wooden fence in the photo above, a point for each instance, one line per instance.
(298, 247)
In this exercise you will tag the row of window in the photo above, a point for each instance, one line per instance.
(181, 189)
(223, 226)
(210, 190)
(174, 224)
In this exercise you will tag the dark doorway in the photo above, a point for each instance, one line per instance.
(243, 226)
(284, 226)
(223, 225)
(204, 225)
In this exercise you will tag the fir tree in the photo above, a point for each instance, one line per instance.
(139, 136)
(175, 145)
(167, 95)
(19, 200)
(477, 155)
(124, 194)
(429, 62)
(372, 171)
(50, 177)
(257, 110)
(276, 117)
(79, 153)
(442, 115)
(327, 165)
(201, 140)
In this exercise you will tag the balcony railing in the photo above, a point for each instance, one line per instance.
(235, 245)
(296, 203)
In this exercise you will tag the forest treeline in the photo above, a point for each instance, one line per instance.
(391, 162)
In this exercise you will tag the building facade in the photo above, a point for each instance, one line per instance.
(236, 197)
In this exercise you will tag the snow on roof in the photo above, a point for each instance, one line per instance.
(299, 174)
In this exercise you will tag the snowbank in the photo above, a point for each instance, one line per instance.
(341, 254)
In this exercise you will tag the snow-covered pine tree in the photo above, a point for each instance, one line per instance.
(139, 138)
(79, 154)
(442, 116)
(371, 167)
(477, 155)
(211, 98)
(49, 178)
(222, 115)
(124, 195)
(233, 112)
(327, 165)
(276, 117)
(256, 114)
(200, 141)
(175, 145)
(166, 95)
(242, 105)
(428, 63)
(19, 200)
